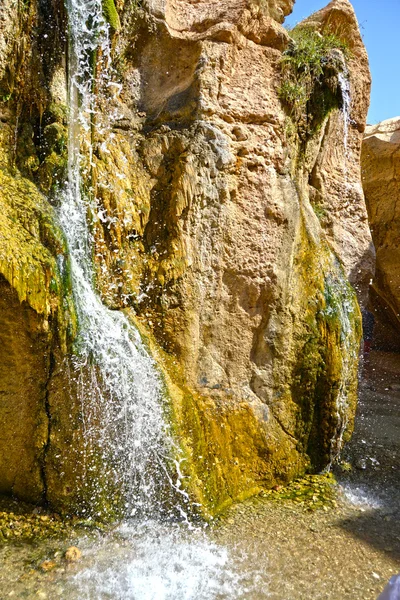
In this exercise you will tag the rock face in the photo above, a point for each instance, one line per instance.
(36, 309)
(228, 236)
(381, 181)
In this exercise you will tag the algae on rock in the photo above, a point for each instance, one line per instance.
(111, 14)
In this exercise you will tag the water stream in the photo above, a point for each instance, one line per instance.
(338, 288)
(344, 83)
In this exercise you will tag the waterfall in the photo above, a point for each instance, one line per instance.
(339, 289)
(343, 308)
(344, 84)
(128, 447)
(126, 441)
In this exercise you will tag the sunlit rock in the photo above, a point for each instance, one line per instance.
(381, 181)
(228, 230)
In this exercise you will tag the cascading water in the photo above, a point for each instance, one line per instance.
(344, 308)
(127, 443)
(119, 387)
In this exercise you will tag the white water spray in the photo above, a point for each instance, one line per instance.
(344, 309)
(127, 444)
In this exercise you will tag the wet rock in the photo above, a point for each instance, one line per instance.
(48, 565)
(361, 464)
(73, 554)
(211, 229)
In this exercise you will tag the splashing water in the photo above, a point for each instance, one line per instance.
(119, 387)
(159, 563)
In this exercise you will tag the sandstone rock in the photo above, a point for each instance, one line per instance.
(36, 309)
(208, 233)
(381, 181)
(336, 173)
(8, 22)
(217, 235)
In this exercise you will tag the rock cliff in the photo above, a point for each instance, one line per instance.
(381, 180)
(230, 229)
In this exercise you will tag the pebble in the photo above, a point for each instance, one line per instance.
(48, 565)
(73, 554)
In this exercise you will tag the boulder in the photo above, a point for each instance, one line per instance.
(234, 242)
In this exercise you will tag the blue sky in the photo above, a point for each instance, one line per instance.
(380, 28)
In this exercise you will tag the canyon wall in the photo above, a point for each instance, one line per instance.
(229, 230)
(381, 181)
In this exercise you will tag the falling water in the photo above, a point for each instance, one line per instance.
(119, 387)
(344, 84)
(343, 307)
(128, 447)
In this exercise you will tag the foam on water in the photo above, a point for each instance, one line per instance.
(156, 562)
(361, 496)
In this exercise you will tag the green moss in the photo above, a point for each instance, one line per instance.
(320, 211)
(52, 172)
(30, 243)
(312, 492)
(58, 112)
(323, 379)
(111, 15)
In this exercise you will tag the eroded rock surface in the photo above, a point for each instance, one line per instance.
(36, 310)
(213, 236)
(381, 181)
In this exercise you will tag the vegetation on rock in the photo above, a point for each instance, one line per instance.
(326, 343)
(310, 67)
(31, 248)
(312, 492)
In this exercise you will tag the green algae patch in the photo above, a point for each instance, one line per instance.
(312, 492)
(320, 387)
(111, 15)
(229, 452)
(31, 249)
